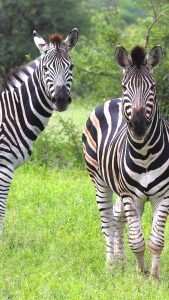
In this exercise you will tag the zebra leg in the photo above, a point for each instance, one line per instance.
(6, 174)
(136, 240)
(156, 239)
(120, 218)
(105, 204)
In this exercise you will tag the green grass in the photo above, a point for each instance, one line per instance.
(52, 246)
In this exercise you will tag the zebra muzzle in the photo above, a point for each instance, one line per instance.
(139, 123)
(62, 99)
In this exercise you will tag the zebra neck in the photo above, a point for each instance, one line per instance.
(26, 109)
(40, 107)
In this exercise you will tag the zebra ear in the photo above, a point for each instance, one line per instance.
(71, 40)
(39, 42)
(155, 57)
(122, 58)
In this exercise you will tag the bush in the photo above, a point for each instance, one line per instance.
(96, 74)
(59, 145)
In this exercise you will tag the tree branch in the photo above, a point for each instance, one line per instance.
(152, 5)
(99, 73)
(155, 19)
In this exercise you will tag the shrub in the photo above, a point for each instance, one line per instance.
(59, 145)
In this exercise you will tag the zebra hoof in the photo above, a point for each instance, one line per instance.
(143, 271)
(155, 278)
(110, 266)
(116, 263)
(120, 262)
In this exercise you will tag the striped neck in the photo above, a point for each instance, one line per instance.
(28, 106)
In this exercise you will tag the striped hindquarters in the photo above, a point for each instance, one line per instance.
(103, 125)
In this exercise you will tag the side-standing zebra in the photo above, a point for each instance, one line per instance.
(126, 146)
(27, 102)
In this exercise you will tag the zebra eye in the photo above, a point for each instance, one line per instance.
(152, 88)
(124, 88)
(45, 68)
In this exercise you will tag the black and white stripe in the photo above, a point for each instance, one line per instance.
(126, 146)
(26, 104)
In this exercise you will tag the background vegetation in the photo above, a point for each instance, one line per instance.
(103, 24)
(52, 246)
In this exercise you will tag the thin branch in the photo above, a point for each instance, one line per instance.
(155, 19)
(99, 74)
(155, 15)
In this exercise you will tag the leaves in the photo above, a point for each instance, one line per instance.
(103, 24)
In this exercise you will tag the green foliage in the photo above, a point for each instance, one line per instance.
(103, 24)
(96, 73)
(129, 11)
(20, 18)
(59, 145)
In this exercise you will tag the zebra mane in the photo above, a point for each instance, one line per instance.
(138, 54)
(56, 38)
(18, 75)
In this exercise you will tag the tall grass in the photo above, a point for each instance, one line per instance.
(52, 246)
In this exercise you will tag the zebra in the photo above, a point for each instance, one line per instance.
(126, 149)
(27, 101)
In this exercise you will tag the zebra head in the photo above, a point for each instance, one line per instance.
(139, 91)
(56, 67)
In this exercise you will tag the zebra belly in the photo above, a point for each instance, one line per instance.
(20, 161)
(16, 154)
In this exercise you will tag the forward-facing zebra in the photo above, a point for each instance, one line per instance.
(126, 146)
(27, 102)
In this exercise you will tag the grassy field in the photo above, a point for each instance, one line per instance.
(52, 246)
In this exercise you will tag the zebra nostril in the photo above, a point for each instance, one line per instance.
(131, 124)
(147, 123)
(69, 100)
